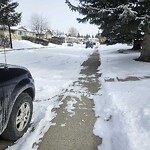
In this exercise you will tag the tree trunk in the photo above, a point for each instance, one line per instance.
(136, 45)
(11, 46)
(145, 51)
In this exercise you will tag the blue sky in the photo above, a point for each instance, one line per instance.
(56, 12)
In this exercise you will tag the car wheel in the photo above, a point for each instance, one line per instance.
(20, 118)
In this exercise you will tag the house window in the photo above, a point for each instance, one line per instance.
(20, 33)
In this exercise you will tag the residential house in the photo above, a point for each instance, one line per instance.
(17, 32)
(47, 34)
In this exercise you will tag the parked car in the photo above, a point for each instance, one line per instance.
(17, 93)
(70, 44)
(89, 44)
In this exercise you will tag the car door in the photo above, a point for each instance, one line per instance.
(5, 101)
(1, 115)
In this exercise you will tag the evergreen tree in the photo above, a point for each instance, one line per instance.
(121, 21)
(78, 35)
(8, 16)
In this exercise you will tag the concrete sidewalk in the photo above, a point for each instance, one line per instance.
(73, 130)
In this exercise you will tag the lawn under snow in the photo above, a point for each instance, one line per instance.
(123, 107)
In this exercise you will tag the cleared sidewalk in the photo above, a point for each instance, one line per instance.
(73, 129)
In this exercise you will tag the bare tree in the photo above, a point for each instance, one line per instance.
(59, 33)
(38, 24)
(73, 32)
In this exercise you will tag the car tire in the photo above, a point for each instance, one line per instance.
(20, 118)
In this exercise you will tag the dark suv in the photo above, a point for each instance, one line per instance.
(16, 101)
(89, 44)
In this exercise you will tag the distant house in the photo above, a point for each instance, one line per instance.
(17, 32)
(80, 39)
(47, 34)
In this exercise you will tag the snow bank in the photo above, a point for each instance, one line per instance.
(123, 107)
(17, 44)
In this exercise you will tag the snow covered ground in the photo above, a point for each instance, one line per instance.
(123, 107)
(53, 69)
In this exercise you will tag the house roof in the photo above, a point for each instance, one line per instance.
(47, 31)
(20, 28)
